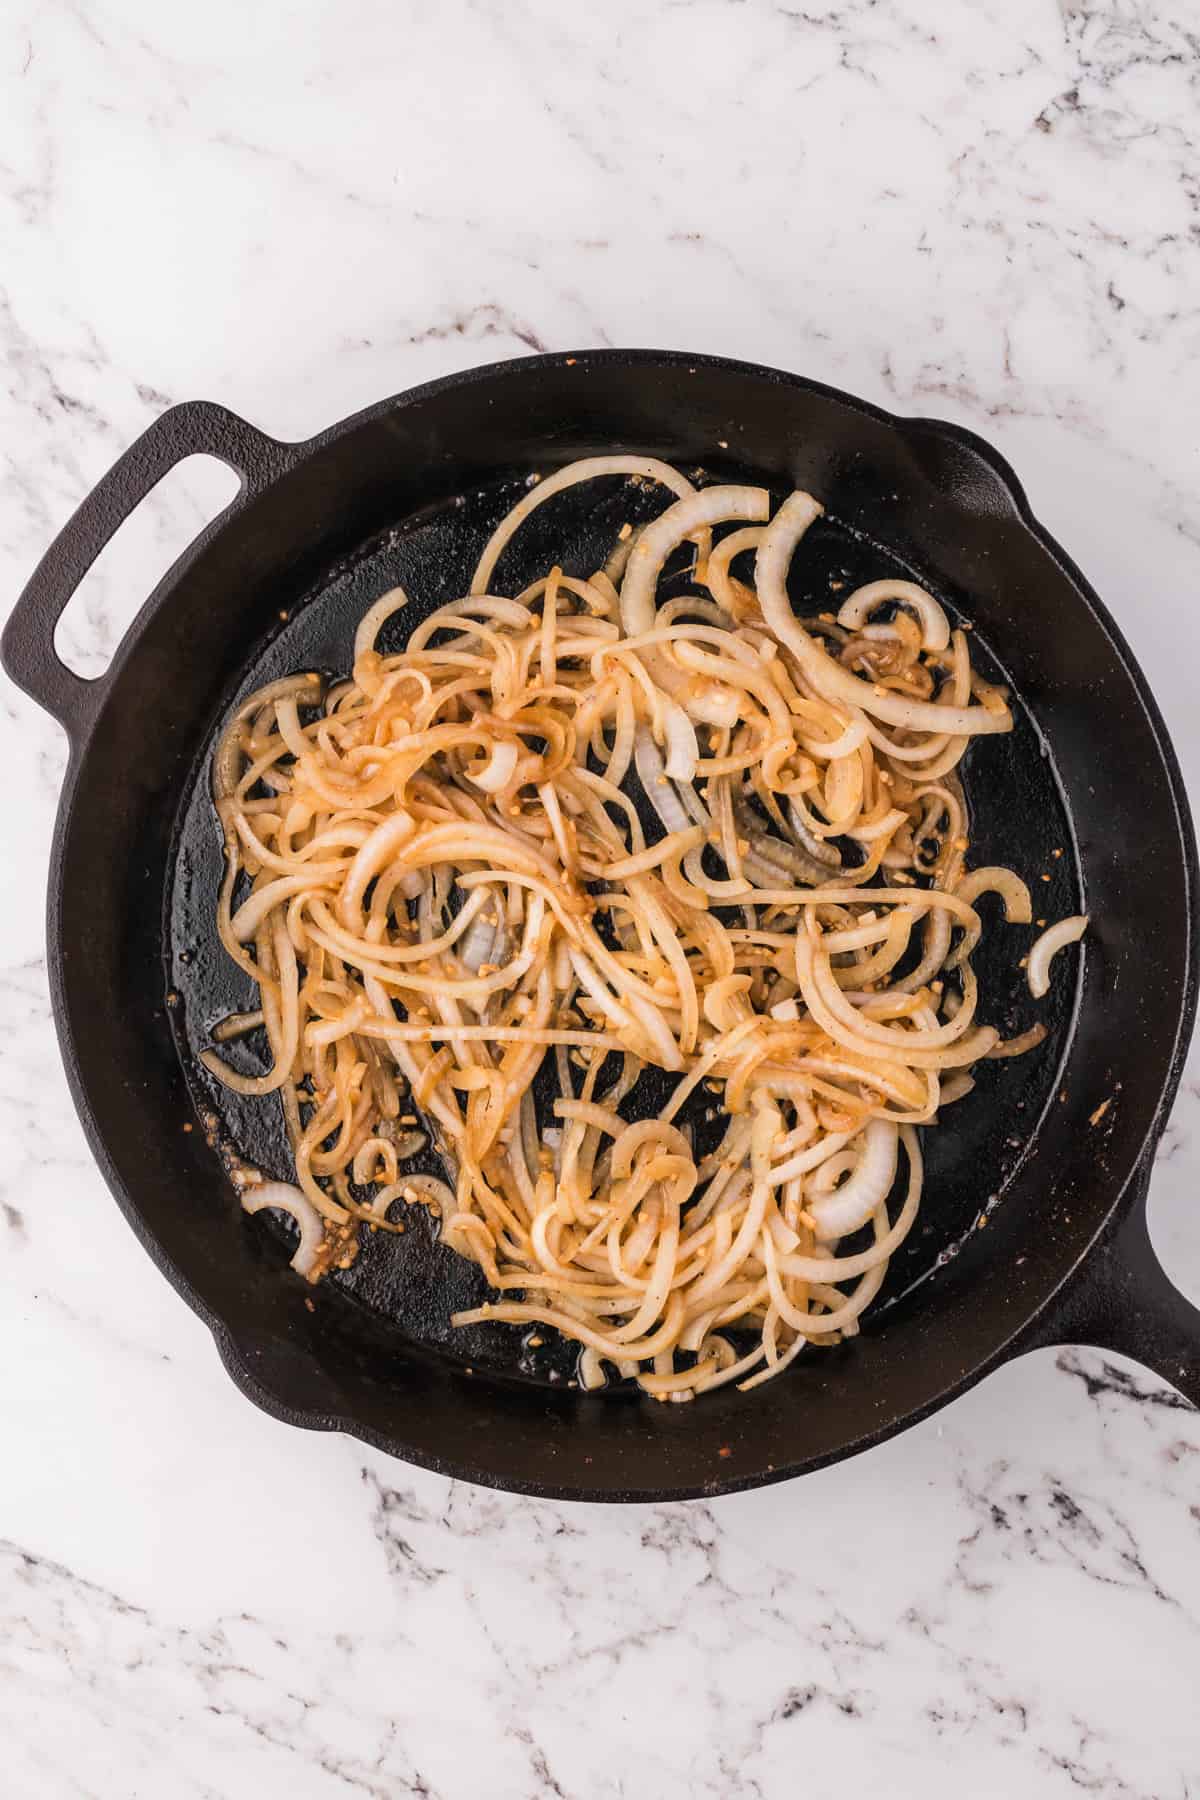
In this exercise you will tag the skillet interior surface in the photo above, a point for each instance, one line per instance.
(1018, 816)
(406, 492)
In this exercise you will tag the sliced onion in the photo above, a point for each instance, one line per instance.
(956, 1087)
(1018, 907)
(682, 749)
(818, 849)
(829, 679)
(652, 773)
(609, 1006)
(372, 856)
(882, 827)
(774, 855)
(693, 805)
(408, 1143)
(499, 768)
(283, 1197)
(430, 1191)
(250, 915)
(366, 662)
(712, 506)
(236, 1025)
(937, 947)
(935, 627)
(1017, 1046)
(844, 744)
(587, 469)
(477, 945)
(767, 869)
(657, 1031)
(618, 556)
(667, 849)
(714, 704)
(732, 595)
(1067, 931)
(307, 689)
(849, 1207)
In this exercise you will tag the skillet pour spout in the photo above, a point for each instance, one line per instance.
(1054, 1157)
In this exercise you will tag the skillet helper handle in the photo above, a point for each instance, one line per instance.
(27, 646)
(1124, 1300)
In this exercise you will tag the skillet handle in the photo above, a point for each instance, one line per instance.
(1124, 1300)
(27, 646)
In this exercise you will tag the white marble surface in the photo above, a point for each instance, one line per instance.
(987, 209)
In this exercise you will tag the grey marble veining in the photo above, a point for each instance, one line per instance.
(987, 212)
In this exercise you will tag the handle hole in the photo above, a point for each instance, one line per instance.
(136, 558)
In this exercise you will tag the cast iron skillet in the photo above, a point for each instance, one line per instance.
(408, 489)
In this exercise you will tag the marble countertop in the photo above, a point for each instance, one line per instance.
(987, 211)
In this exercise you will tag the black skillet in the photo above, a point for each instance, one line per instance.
(1033, 1228)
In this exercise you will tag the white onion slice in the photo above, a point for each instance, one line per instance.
(617, 1015)
(477, 945)
(850, 1206)
(712, 506)
(937, 948)
(498, 770)
(1018, 906)
(373, 855)
(1067, 931)
(648, 761)
(682, 749)
(585, 470)
(956, 1087)
(829, 679)
(935, 628)
(718, 706)
(369, 627)
(817, 848)
(844, 744)
(810, 1158)
(882, 827)
(430, 1191)
(251, 913)
(283, 1197)
(657, 1031)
